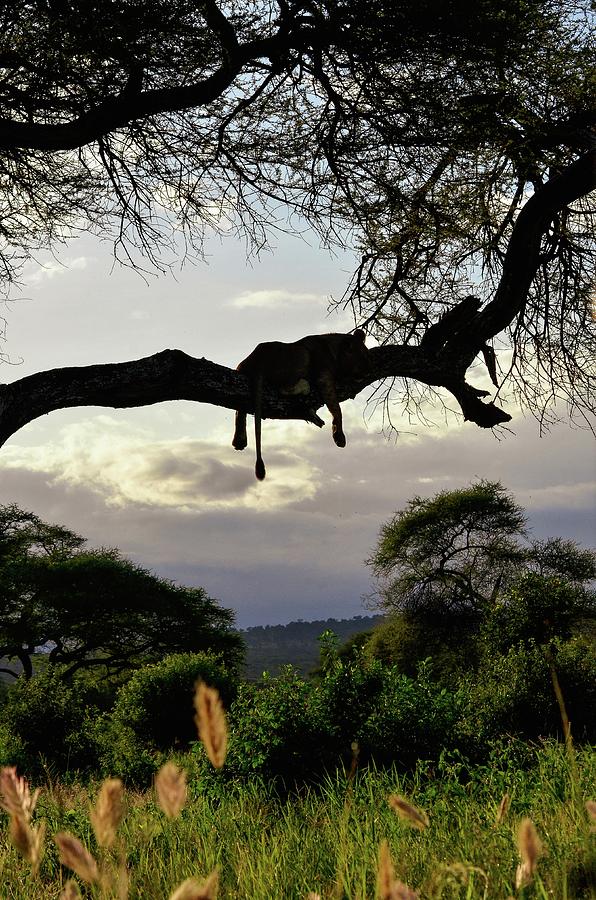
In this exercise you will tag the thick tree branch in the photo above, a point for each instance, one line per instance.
(523, 253)
(173, 375)
(120, 110)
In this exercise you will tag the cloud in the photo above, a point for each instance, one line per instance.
(293, 546)
(270, 299)
(128, 465)
(57, 268)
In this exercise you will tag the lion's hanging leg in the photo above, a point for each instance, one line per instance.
(240, 440)
(327, 384)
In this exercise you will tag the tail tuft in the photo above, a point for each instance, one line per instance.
(260, 469)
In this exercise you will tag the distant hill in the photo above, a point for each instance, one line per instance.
(269, 647)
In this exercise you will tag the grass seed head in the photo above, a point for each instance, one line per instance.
(415, 817)
(71, 891)
(108, 811)
(122, 882)
(388, 887)
(211, 723)
(27, 840)
(385, 872)
(191, 889)
(503, 809)
(76, 857)
(402, 892)
(15, 796)
(530, 849)
(170, 787)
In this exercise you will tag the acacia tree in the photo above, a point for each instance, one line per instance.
(454, 145)
(451, 553)
(93, 609)
(463, 554)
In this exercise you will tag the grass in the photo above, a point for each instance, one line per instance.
(327, 840)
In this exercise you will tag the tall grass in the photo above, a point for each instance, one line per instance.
(326, 840)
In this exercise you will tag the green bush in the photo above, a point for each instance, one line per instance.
(275, 732)
(412, 719)
(512, 693)
(345, 698)
(404, 642)
(154, 713)
(536, 609)
(291, 730)
(46, 724)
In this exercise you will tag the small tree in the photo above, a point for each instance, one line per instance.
(450, 553)
(154, 713)
(458, 565)
(93, 608)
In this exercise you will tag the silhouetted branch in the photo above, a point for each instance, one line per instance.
(173, 375)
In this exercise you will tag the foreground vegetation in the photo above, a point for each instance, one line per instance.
(431, 758)
(326, 840)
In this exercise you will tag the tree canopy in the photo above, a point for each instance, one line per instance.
(466, 552)
(451, 145)
(92, 608)
(461, 582)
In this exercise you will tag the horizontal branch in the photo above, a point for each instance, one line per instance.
(173, 375)
(121, 109)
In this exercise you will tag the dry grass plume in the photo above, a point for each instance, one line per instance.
(108, 811)
(388, 886)
(171, 789)
(530, 850)
(19, 803)
(211, 723)
(417, 818)
(191, 889)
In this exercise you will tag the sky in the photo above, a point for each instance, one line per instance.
(163, 483)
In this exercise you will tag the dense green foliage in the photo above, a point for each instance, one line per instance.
(46, 725)
(154, 713)
(289, 730)
(512, 693)
(403, 641)
(537, 608)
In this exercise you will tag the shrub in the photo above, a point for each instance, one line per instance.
(412, 719)
(405, 641)
(274, 731)
(536, 609)
(291, 730)
(345, 697)
(512, 693)
(154, 713)
(46, 723)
